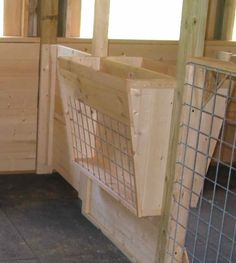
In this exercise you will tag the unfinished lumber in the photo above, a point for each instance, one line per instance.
(228, 19)
(100, 31)
(73, 18)
(212, 19)
(25, 18)
(108, 103)
(13, 9)
(193, 28)
(48, 30)
(18, 106)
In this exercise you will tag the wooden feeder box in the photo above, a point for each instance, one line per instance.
(118, 119)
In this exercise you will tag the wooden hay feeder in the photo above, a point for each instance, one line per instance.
(118, 119)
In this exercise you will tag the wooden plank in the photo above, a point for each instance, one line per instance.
(95, 87)
(150, 143)
(46, 109)
(124, 70)
(12, 9)
(158, 50)
(215, 63)
(192, 39)
(25, 18)
(73, 18)
(11, 40)
(100, 32)
(48, 33)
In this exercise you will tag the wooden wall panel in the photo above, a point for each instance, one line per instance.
(12, 17)
(19, 67)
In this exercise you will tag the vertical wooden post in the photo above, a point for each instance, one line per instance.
(193, 28)
(99, 48)
(33, 18)
(25, 18)
(212, 19)
(48, 30)
(100, 31)
(48, 21)
(228, 20)
(73, 18)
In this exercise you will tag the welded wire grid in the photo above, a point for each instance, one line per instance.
(203, 220)
(102, 146)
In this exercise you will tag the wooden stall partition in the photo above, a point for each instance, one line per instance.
(19, 68)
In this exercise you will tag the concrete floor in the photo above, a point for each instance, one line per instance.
(41, 222)
(211, 235)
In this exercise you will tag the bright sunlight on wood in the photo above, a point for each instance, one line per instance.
(234, 30)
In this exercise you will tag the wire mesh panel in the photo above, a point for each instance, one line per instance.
(203, 219)
(103, 147)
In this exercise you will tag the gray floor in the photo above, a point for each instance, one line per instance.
(41, 221)
(211, 235)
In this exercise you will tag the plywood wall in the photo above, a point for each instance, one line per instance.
(19, 65)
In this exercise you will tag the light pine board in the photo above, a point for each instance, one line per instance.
(19, 67)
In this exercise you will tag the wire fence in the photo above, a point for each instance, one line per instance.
(203, 219)
(103, 147)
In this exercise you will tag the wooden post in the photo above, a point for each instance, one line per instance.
(48, 21)
(193, 28)
(73, 18)
(25, 18)
(33, 18)
(228, 20)
(212, 19)
(99, 48)
(48, 30)
(100, 31)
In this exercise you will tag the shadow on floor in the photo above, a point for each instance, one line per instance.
(41, 222)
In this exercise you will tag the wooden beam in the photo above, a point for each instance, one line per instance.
(100, 32)
(192, 38)
(73, 18)
(48, 30)
(48, 21)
